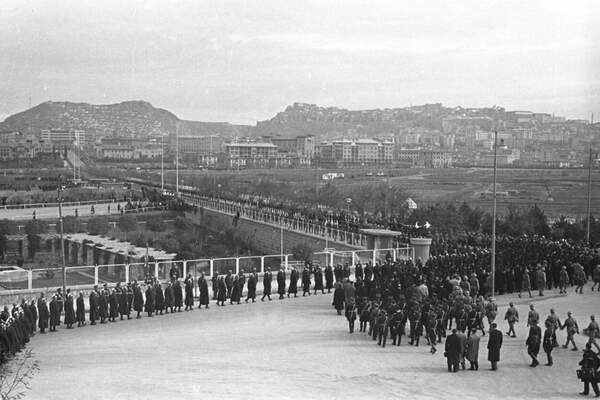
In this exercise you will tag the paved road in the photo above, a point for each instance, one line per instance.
(289, 349)
(52, 212)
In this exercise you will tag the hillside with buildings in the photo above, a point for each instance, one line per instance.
(429, 135)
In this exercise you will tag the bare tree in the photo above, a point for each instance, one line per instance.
(16, 375)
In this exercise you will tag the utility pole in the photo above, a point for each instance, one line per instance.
(589, 204)
(162, 164)
(494, 216)
(177, 159)
(62, 241)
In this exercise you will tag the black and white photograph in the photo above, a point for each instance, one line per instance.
(311, 199)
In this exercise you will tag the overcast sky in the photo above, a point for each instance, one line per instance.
(243, 61)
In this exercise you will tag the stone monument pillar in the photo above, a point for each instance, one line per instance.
(421, 247)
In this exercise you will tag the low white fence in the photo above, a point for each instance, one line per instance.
(86, 276)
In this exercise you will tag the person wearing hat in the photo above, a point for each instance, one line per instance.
(494, 346)
(525, 283)
(563, 280)
(572, 328)
(549, 341)
(512, 317)
(592, 330)
(54, 314)
(80, 310)
(533, 342)
(267, 279)
(138, 299)
(69, 310)
(93, 300)
(203, 289)
(589, 368)
(533, 316)
(44, 313)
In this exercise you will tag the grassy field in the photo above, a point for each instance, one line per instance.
(557, 192)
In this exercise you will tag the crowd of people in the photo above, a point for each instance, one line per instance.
(433, 301)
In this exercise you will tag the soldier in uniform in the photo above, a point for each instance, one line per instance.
(549, 341)
(338, 297)
(533, 316)
(563, 280)
(525, 283)
(382, 328)
(267, 279)
(414, 317)
(512, 317)
(572, 329)
(129, 291)
(533, 342)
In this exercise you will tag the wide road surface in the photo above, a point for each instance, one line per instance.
(52, 212)
(289, 349)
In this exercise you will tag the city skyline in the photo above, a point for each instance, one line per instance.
(242, 62)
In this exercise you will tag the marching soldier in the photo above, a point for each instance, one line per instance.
(512, 317)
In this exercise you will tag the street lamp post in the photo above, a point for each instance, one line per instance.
(62, 241)
(494, 216)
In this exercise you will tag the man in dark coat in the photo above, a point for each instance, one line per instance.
(293, 288)
(229, 283)
(215, 285)
(159, 298)
(251, 288)
(319, 280)
(103, 305)
(43, 314)
(329, 278)
(267, 279)
(222, 293)
(178, 295)
(453, 351)
(189, 293)
(169, 298)
(138, 299)
(281, 283)
(69, 310)
(494, 345)
(80, 310)
(123, 303)
(338, 297)
(34, 314)
(93, 299)
(203, 288)
(54, 314)
(113, 302)
(149, 305)
(306, 281)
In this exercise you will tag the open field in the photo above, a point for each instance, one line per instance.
(290, 349)
(557, 191)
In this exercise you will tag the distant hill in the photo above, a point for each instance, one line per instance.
(126, 119)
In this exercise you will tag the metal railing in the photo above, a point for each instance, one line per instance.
(299, 225)
(86, 276)
(65, 204)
